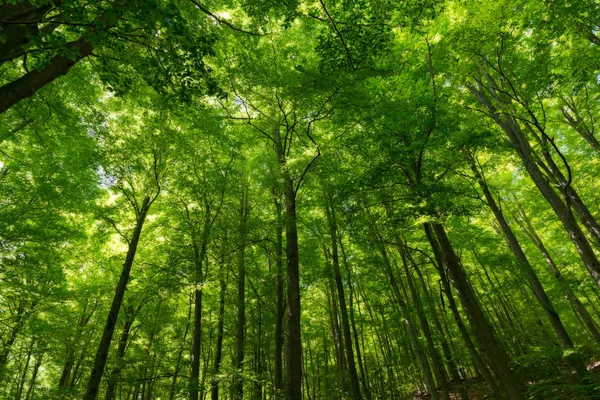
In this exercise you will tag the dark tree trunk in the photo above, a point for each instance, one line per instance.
(491, 348)
(240, 333)
(111, 321)
(352, 374)
(130, 314)
(219, 343)
(280, 300)
(293, 343)
(26, 86)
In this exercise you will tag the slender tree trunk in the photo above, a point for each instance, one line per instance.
(521, 145)
(178, 365)
(199, 245)
(359, 359)
(280, 300)
(438, 366)
(21, 382)
(444, 342)
(130, 314)
(293, 343)
(522, 260)
(34, 375)
(577, 305)
(240, 334)
(352, 374)
(109, 328)
(421, 357)
(219, 344)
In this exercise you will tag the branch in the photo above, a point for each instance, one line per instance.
(222, 21)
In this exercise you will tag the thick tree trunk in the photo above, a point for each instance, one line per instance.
(109, 328)
(26, 86)
(352, 374)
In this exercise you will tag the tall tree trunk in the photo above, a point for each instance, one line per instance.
(436, 360)
(444, 342)
(490, 347)
(522, 260)
(199, 245)
(293, 343)
(21, 382)
(577, 305)
(280, 299)
(359, 359)
(352, 374)
(480, 364)
(521, 145)
(240, 333)
(421, 357)
(130, 314)
(178, 365)
(34, 375)
(109, 328)
(7, 344)
(219, 343)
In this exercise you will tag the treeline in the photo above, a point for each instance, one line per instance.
(299, 200)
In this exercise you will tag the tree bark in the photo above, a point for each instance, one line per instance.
(240, 333)
(491, 349)
(293, 343)
(109, 328)
(219, 342)
(26, 86)
(352, 374)
(280, 300)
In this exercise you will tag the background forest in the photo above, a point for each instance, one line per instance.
(269, 199)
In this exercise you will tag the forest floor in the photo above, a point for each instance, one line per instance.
(564, 387)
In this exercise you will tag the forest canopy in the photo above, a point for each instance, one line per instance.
(289, 199)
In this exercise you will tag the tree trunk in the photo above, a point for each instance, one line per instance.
(359, 359)
(577, 305)
(522, 260)
(219, 344)
(130, 314)
(109, 328)
(436, 360)
(36, 369)
(240, 333)
(280, 299)
(293, 343)
(352, 374)
(199, 252)
(521, 145)
(491, 348)
(26, 86)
